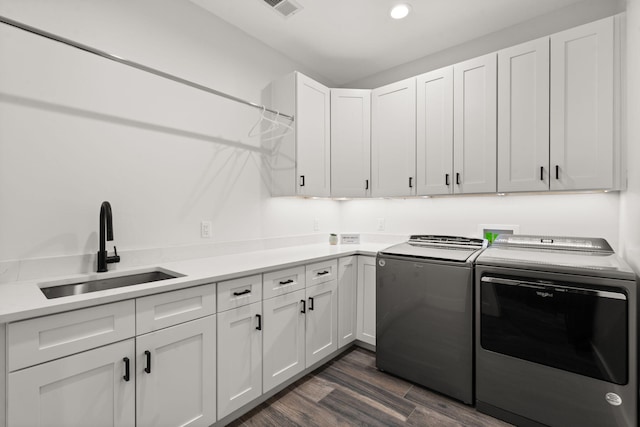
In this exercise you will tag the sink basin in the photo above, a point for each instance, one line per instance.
(94, 285)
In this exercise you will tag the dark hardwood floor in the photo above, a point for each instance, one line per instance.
(350, 391)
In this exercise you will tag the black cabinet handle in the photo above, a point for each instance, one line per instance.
(322, 273)
(310, 303)
(541, 173)
(304, 306)
(147, 368)
(557, 172)
(127, 371)
(446, 179)
(366, 184)
(457, 178)
(286, 282)
(410, 182)
(259, 327)
(246, 291)
(301, 180)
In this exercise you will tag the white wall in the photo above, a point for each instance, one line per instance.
(630, 199)
(589, 215)
(571, 16)
(77, 129)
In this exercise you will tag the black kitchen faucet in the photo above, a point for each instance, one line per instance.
(106, 223)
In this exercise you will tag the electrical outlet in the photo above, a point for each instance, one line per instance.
(316, 224)
(380, 224)
(206, 229)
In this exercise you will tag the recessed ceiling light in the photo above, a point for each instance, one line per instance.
(400, 11)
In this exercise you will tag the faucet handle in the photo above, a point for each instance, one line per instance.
(114, 258)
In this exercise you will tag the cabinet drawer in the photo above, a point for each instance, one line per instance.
(283, 281)
(171, 308)
(45, 338)
(321, 272)
(239, 292)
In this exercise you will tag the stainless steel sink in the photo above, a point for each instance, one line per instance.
(63, 290)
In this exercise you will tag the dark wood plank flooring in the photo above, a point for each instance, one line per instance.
(350, 391)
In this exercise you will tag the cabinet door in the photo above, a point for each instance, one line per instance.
(350, 142)
(239, 357)
(284, 338)
(347, 276)
(523, 117)
(321, 321)
(312, 137)
(367, 299)
(582, 107)
(434, 145)
(176, 379)
(86, 389)
(393, 139)
(475, 128)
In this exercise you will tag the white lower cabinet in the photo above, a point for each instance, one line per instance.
(239, 357)
(321, 321)
(176, 375)
(284, 338)
(93, 388)
(196, 368)
(367, 299)
(347, 299)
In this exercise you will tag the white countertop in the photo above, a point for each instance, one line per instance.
(22, 300)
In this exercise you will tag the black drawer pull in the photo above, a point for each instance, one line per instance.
(126, 376)
(246, 291)
(304, 306)
(310, 303)
(147, 368)
(322, 273)
(541, 173)
(457, 178)
(286, 282)
(259, 327)
(446, 179)
(557, 172)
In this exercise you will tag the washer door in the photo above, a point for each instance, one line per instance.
(424, 330)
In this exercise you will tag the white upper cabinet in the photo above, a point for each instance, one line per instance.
(523, 117)
(393, 139)
(434, 132)
(300, 161)
(350, 142)
(582, 107)
(475, 128)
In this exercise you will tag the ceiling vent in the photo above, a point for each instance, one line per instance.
(285, 8)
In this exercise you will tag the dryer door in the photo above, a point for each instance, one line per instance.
(576, 329)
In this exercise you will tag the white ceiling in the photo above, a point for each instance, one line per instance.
(346, 40)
